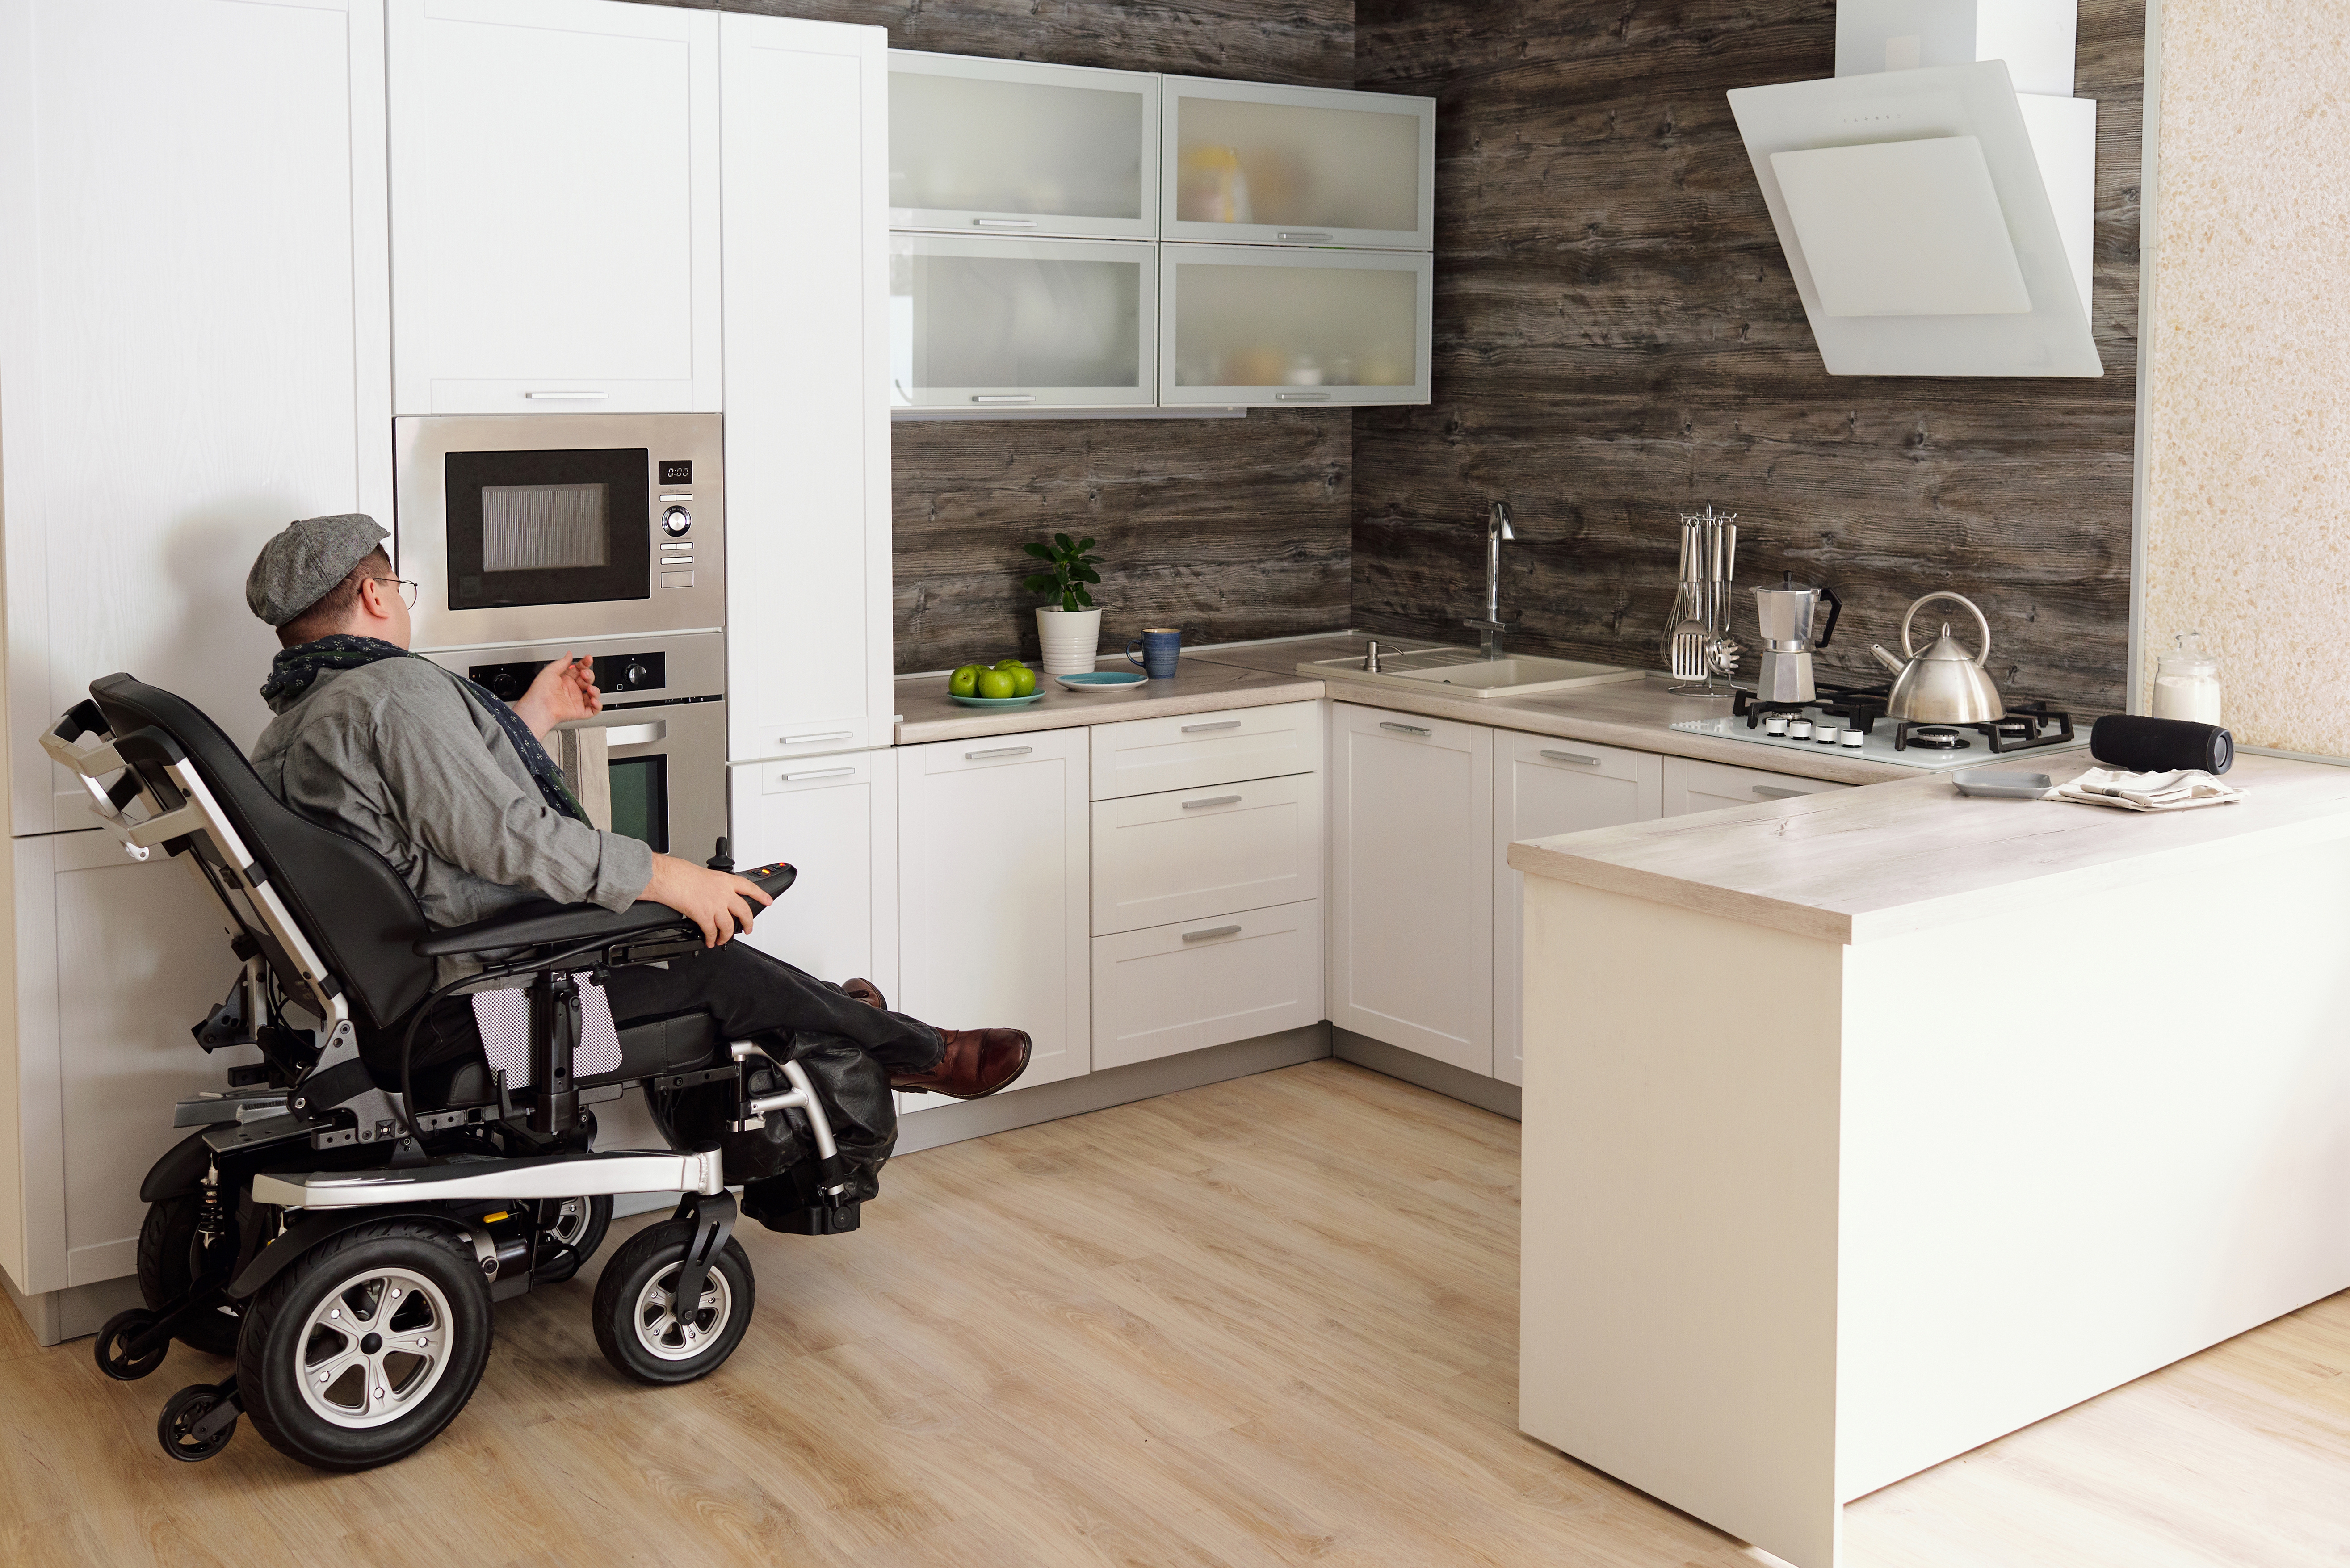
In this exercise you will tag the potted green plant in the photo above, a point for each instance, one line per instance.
(1069, 632)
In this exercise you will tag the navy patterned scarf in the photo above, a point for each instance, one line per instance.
(293, 670)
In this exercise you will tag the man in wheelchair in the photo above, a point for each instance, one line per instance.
(444, 965)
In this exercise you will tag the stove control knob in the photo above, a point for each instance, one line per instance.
(635, 675)
(676, 521)
(507, 684)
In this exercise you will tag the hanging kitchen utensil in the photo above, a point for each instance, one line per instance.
(1945, 684)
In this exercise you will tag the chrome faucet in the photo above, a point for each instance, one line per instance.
(1488, 630)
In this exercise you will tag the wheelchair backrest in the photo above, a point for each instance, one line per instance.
(352, 907)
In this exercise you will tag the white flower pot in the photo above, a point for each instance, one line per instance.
(1071, 638)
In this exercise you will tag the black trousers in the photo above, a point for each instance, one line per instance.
(749, 993)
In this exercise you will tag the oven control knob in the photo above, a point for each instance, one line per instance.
(676, 521)
(635, 675)
(507, 684)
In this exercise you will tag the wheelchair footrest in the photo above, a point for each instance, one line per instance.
(774, 1205)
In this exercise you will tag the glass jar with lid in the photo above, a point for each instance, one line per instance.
(2187, 682)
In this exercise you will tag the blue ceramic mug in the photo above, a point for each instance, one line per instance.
(1160, 645)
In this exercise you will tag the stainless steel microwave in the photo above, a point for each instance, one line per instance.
(539, 527)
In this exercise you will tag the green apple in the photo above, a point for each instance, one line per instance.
(1023, 682)
(964, 681)
(997, 683)
(1009, 664)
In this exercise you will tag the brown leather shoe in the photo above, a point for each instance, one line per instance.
(978, 1061)
(865, 992)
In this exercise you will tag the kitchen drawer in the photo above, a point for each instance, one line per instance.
(1148, 756)
(1691, 785)
(1192, 854)
(1198, 983)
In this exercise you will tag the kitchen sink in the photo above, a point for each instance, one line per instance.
(1469, 674)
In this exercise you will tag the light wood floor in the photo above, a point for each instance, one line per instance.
(1269, 1321)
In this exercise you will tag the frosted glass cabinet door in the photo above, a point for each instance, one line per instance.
(1003, 147)
(989, 323)
(1275, 328)
(1252, 164)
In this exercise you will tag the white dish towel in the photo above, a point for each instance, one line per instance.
(2179, 791)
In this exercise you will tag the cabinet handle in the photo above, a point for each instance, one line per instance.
(1299, 234)
(1212, 800)
(827, 735)
(991, 399)
(819, 773)
(1003, 223)
(1404, 728)
(1577, 758)
(1219, 724)
(568, 397)
(998, 752)
(1773, 792)
(1211, 931)
(637, 735)
(1301, 397)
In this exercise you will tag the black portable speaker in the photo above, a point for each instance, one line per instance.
(2161, 745)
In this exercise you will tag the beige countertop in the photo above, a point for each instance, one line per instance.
(1853, 865)
(925, 712)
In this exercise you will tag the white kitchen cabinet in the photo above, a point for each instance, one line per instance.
(992, 859)
(836, 820)
(1259, 326)
(1185, 750)
(1542, 786)
(1412, 883)
(554, 222)
(1007, 147)
(1691, 785)
(1250, 163)
(195, 330)
(1169, 989)
(998, 323)
(807, 422)
(1203, 852)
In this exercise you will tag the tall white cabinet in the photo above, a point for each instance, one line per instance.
(194, 349)
(555, 172)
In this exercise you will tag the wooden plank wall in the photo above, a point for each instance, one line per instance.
(1228, 528)
(1617, 338)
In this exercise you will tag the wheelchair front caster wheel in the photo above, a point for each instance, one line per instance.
(186, 1434)
(113, 1347)
(639, 1325)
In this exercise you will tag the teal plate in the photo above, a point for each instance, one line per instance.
(1103, 680)
(995, 701)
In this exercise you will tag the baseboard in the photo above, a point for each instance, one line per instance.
(939, 1125)
(56, 1316)
(1454, 1082)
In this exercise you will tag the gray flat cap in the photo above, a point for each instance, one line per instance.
(302, 565)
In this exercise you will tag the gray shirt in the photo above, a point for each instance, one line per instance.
(401, 757)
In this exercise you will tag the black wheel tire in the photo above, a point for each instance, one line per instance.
(114, 1360)
(181, 1412)
(171, 1256)
(643, 1258)
(272, 1347)
(562, 1264)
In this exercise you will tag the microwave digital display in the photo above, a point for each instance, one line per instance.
(546, 527)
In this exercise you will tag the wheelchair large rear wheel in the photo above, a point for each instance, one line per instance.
(174, 1253)
(639, 1325)
(364, 1348)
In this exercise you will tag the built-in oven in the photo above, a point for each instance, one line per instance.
(533, 528)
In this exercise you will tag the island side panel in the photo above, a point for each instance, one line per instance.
(2083, 1140)
(1677, 1306)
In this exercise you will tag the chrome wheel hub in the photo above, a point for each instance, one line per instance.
(373, 1348)
(672, 1335)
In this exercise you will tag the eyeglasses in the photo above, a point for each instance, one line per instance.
(406, 587)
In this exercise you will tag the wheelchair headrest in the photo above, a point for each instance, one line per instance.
(351, 906)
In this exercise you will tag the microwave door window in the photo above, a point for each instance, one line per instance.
(545, 527)
(554, 527)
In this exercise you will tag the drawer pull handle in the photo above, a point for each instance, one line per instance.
(1295, 235)
(819, 773)
(1211, 931)
(1212, 800)
(1301, 397)
(566, 397)
(1220, 724)
(998, 752)
(1403, 729)
(1003, 223)
(1772, 792)
(1577, 758)
(1000, 399)
(827, 735)
(637, 735)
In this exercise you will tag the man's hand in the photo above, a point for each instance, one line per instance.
(563, 691)
(717, 901)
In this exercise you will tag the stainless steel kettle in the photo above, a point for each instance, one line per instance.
(1945, 684)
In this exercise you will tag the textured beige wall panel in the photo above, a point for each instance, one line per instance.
(2248, 477)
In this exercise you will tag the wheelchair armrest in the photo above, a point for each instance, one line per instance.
(545, 923)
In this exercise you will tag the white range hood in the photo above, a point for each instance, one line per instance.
(1936, 199)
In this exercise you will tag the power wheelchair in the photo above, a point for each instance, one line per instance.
(340, 1221)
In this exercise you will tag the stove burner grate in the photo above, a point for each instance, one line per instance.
(1930, 738)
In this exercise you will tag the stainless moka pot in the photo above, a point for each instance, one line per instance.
(1786, 614)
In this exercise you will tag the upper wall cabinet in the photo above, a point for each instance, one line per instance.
(1001, 147)
(992, 323)
(1274, 327)
(554, 206)
(1251, 163)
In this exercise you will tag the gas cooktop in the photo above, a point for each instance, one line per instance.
(1851, 722)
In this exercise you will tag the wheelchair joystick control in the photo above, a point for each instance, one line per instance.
(721, 860)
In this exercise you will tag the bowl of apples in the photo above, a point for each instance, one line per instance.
(1006, 683)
